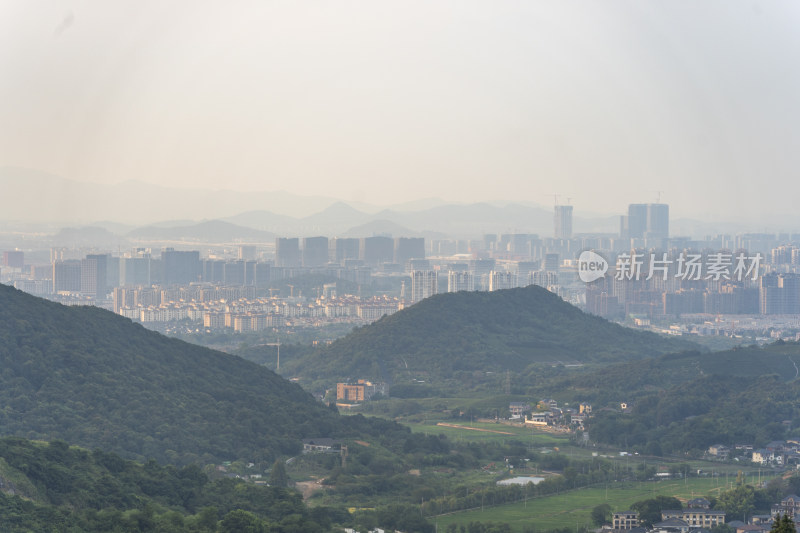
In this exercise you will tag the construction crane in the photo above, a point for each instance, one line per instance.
(555, 199)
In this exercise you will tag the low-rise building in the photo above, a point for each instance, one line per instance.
(517, 409)
(706, 518)
(321, 444)
(358, 392)
(720, 451)
(789, 506)
(625, 520)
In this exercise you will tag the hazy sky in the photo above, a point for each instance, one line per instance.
(606, 102)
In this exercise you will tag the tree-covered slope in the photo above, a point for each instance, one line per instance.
(689, 401)
(628, 380)
(480, 331)
(55, 487)
(95, 379)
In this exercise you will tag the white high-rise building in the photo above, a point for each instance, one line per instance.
(460, 281)
(502, 280)
(423, 284)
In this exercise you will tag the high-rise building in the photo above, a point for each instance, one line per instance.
(94, 275)
(460, 280)
(779, 294)
(377, 250)
(563, 222)
(657, 221)
(258, 273)
(246, 252)
(112, 272)
(122, 297)
(315, 251)
(67, 276)
(287, 252)
(213, 270)
(499, 280)
(345, 248)
(645, 221)
(419, 264)
(637, 221)
(180, 267)
(134, 271)
(551, 262)
(407, 248)
(14, 259)
(481, 269)
(543, 278)
(423, 284)
(516, 243)
(235, 273)
(524, 269)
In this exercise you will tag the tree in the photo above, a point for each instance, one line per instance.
(278, 476)
(783, 525)
(650, 510)
(239, 521)
(738, 502)
(601, 514)
(653, 448)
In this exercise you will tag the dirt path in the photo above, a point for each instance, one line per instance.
(308, 487)
(445, 424)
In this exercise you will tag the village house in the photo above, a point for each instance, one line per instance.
(538, 419)
(698, 503)
(321, 444)
(671, 525)
(719, 451)
(518, 409)
(694, 518)
(790, 506)
(625, 520)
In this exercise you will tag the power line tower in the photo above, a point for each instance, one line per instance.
(507, 383)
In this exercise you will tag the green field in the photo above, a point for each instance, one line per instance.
(573, 508)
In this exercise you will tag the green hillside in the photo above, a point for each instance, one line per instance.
(623, 381)
(479, 331)
(689, 401)
(98, 380)
(55, 487)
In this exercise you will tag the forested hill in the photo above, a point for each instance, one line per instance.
(480, 331)
(96, 379)
(687, 402)
(626, 381)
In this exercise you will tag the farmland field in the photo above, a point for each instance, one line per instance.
(573, 508)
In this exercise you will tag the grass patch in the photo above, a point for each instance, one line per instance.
(573, 508)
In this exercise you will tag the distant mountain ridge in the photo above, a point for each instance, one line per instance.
(208, 231)
(75, 203)
(451, 334)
